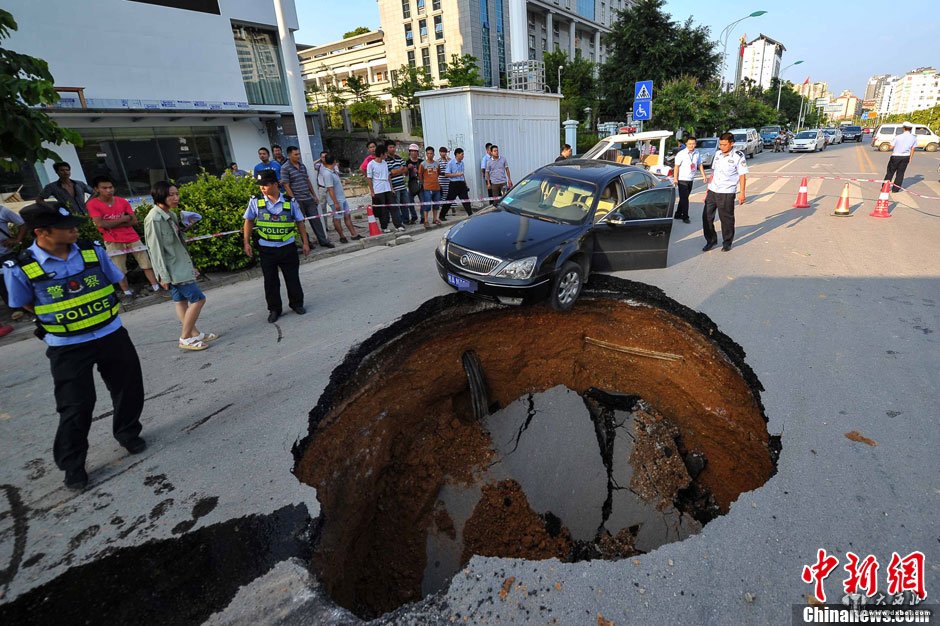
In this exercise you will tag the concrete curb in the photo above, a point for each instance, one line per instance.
(24, 330)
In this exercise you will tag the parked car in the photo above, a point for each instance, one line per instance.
(926, 139)
(747, 140)
(629, 148)
(808, 141)
(852, 133)
(708, 146)
(769, 134)
(867, 130)
(834, 135)
(556, 226)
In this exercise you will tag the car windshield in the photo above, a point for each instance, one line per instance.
(766, 130)
(707, 143)
(852, 129)
(551, 197)
(807, 134)
(829, 131)
(738, 137)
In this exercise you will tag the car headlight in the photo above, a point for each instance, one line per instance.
(522, 268)
(442, 246)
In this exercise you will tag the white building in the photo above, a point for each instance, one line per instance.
(918, 89)
(760, 61)
(160, 88)
(333, 64)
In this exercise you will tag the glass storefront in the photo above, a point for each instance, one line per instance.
(136, 157)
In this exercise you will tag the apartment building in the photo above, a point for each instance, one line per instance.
(426, 33)
(760, 61)
(813, 91)
(915, 90)
(362, 56)
(846, 106)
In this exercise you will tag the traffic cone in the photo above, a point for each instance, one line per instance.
(373, 225)
(881, 207)
(842, 209)
(802, 201)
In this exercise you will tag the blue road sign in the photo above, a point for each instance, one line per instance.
(643, 90)
(642, 110)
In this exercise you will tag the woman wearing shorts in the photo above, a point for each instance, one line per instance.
(173, 266)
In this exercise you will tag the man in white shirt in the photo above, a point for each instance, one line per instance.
(902, 151)
(728, 169)
(380, 187)
(683, 173)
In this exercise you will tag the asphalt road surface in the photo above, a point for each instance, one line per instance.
(839, 319)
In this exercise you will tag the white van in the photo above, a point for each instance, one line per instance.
(748, 141)
(926, 138)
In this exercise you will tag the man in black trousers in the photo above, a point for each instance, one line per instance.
(69, 286)
(278, 220)
(728, 169)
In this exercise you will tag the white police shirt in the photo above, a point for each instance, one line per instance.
(687, 163)
(727, 169)
(903, 143)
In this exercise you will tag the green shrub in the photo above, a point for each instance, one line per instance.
(221, 202)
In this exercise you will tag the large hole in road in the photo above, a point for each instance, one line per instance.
(467, 428)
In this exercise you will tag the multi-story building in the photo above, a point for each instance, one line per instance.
(427, 32)
(158, 89)
(845, 107)
(362, 56)
(760, 61)
(916, 90)
(813, 91)
(876, 86)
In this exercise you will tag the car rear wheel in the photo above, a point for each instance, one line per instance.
(566, 287)
(930, 147)
(884, 147)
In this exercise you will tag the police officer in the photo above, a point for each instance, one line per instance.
(278, 221)
(728, 168)
(69, 286)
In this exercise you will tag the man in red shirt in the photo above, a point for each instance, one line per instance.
(115, 220)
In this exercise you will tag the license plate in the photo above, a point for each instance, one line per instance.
(462, 284)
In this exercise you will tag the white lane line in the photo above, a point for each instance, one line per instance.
(812, 189)
(934, 187)
(789, 163)
(768, 194)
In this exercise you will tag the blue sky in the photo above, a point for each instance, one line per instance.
(842, 43)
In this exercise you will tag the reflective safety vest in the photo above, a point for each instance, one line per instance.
(273, 227)
(72, 305)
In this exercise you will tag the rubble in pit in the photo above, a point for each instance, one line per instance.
(412, 481)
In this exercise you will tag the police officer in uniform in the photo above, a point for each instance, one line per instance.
(69, 286)
(729, 168)
(278, 220)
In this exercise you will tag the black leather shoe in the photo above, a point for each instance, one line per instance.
(299, 310)
(709, 246)
(76, 480)
(725, 248)
(136, 446)
(686, 220)
(272, 316)
(328, 245)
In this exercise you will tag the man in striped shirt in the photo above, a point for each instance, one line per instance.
(397, 171)
(297, 184)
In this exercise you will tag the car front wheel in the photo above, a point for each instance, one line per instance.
(566, 287)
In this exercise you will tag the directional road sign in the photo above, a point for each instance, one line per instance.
(643, 90)
(642, 110)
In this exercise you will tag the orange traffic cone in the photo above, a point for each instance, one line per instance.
(881, 207)
(373, 225)
(802, 201)
(842, 209)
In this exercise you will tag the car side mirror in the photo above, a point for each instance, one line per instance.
(615, 219)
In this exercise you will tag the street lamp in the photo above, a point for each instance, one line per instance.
(780, 80)
(723, 37)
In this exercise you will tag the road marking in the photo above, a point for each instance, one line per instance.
(871, 164)
(789, 163)
(768, 194)
(812, 189)
(934, 187)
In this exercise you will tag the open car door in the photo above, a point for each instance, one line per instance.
(635, 235)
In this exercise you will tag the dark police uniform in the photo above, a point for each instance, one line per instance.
(727, 169)
(276, 227)
(76, 311)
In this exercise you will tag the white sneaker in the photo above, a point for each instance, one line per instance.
(400, 229)
(386, 230)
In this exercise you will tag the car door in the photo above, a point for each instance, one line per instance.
(635, 235)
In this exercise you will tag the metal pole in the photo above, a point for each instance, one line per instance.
(779, 86)
(295, 86)
(559, 79)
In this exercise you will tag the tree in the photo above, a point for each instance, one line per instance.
(644, 44)
(366, 112)
(25, 85)
(361, 30)
(679, 104)
(410, 80)
(578, 86)
(462, 71)
(358, 86)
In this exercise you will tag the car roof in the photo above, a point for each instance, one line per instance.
(644, 136)
(595, 171)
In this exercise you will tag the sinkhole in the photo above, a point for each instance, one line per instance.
(467, 428)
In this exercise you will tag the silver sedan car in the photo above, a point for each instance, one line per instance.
(707, 148)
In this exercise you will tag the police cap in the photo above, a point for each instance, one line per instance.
(51, 215)
(268, 177)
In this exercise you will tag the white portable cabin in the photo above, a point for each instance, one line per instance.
(525, 125)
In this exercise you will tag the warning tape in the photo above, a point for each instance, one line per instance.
(454, 201)
(854, 180)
